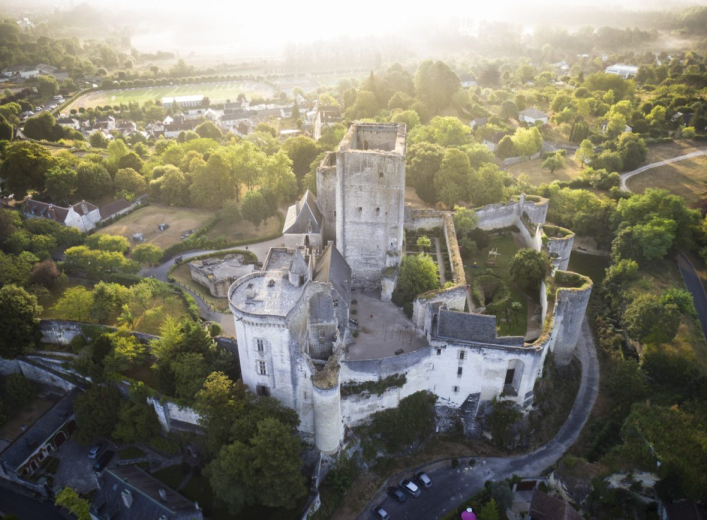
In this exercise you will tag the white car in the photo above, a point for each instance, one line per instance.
(410, 487)
(423, 479)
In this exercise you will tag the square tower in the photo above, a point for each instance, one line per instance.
(370, 199)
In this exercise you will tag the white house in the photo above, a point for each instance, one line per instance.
(25, 24)
(83, 216)
(625, 71)
(22, 71)
(532, 116)
(183, 101)
(68, 122)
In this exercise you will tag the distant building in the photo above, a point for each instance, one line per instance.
(21, 71)
(478, 122)
(69, 122)
(183, 101)
(291, 132)
(304, 223)
(545, 507)
(625, 71)
(83, 216)
(44, 68)
(532, 116)
(25, 24)
(325, 117)
(217, 274)
(492, 142)
(105, 123)
(129, 493)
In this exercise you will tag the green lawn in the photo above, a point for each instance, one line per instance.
(476, 265)
(217, 92)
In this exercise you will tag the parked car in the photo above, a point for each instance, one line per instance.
(409, 486)
(422, 478)
(95, 450)
(103, 460)
(380, 513)
(397, 494)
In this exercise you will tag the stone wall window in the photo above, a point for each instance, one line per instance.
(455, 389)
(439, 351)
(262, 390)
(262, 369)
(461, 355)
(260, 345)
(459, 371)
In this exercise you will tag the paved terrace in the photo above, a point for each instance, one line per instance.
(383, 329)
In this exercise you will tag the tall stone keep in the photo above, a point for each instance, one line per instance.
(370, 200)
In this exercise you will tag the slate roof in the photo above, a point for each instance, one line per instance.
(303, 214)
(533, 112)
(332, 268)
(20, 450)
(114, 207)
(545, 507)
(496, 138)
(144, 490)
(79, 207)
(298, 265)
(470, 327)
(42, 209)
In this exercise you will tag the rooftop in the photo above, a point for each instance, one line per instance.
(379, 137)
(533, 112)
(228, 267)
(545, 507)
(304, 216)
(129, 493)
(383, 330)
(267, 293)
(476, 328)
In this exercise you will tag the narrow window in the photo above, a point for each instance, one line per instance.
(456, 389)
(260, 345)
(380, 174)
(360, 209)
(378, 211)
(461, 354)
(459, 371)
(261, 368)
(322, 334)
(439, 351)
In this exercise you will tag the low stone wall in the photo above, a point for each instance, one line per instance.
(423, 218)
(168, 412)
(515, 160)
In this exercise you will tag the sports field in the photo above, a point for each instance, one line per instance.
(217, 92)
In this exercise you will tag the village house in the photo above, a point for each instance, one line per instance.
(325, 117)
(83, 215)
(69, 122)
(491, 142)
(196, 100)
(625, 71)
(21, 71)
(532, 116)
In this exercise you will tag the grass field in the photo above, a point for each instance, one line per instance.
(217, 92)
(476, 265)
(687, 178)
(539, 175)
(244, 230)
(659, 152)
(147, 219)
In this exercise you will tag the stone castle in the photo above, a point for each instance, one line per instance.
(314, 324)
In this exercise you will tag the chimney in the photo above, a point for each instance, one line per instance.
(127, 498)
(163, 495)
(84, 207)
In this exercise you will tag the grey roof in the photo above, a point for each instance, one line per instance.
(332, 268)
(321, 308)
(533, 112)
(545, 507)
(45, 210)
(114, 207)
(79, 207)
(20, 450)
(304, 216)
(470, 327)
(144, 490)
(298, 265)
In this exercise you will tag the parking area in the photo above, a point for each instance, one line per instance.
(76, 469)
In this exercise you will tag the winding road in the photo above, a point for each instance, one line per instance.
(626, 176)
(453, 486)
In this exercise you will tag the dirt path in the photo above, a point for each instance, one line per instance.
(626, 176)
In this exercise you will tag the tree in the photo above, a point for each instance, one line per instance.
(489, 511)
(44, 273)
(586, 151)
(96, 413)
(209, 130)
(108, 298)
(148, 254)
(416, 412)
(509, 110)
(633, 151)
(211, 184)
(266, 470)
(528, 268)
(409, 117)
(231, 212)
(174, 188)
(190, 371)
(465, 220)
(130, 160)
(254, 208)
(423, 162)
(279, 178)
(93, 180)
(69, 499)
(43, 127)
(449, 131)
(452, 180)
(24, 167)
(61, 183)
(137, 422)
(302, 151)
(527, 141)
(7, 130)
(554, 162)
(19, 329)
(98, 140)
(487, 187)
(424, 242)
(47, 86)
(418, 274)
(103, 242)
(130, 181)
(506, 148)
(616, 125)
(435, 84)
(18, 392)
(609, 161)
(649, 321)
(478, 155)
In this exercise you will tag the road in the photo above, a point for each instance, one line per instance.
(26, 508)
(453, 486)
(694, 285)
(626, 176)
